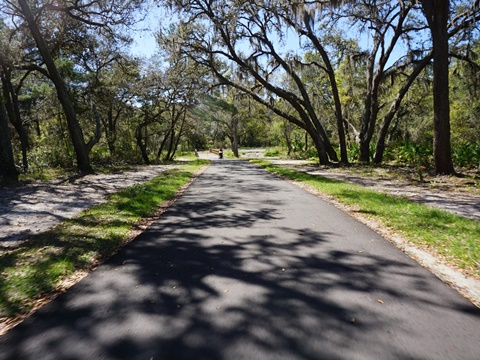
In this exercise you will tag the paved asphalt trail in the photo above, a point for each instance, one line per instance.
(247, 266)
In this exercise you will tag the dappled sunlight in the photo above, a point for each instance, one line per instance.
(226, 277)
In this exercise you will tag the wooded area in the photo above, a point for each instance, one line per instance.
(342, 81)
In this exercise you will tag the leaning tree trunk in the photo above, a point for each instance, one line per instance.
(166, 136)
(76, 134)
(320, 146)
(13, 111)
(382, 135)
(141, 144)
(179, 136)
(437, 17)
(8, 172)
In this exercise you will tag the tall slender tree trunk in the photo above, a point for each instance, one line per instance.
(235, 136)
(141, 143)
(13, 111)
(286, 134)
(179, 136)
(166, 136)
(8, 172)
(336, 97)
(76, 134)
(387, 120)
(369, 118)
(437, 12)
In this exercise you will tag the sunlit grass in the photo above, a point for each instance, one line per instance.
(454, 237)
(36, 267)
(45, 174)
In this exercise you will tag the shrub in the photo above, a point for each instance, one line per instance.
(466, 154)
(272, 152)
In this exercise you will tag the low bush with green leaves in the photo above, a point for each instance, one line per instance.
(272, 152)
(466, 154)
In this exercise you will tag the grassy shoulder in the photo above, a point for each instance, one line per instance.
(450, 236)
(36, 268)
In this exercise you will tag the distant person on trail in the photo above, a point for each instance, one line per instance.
(220, 153)
(196, 154)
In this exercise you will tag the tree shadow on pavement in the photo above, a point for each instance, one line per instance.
(213, 280)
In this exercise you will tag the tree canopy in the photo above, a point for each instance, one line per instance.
(340, 81)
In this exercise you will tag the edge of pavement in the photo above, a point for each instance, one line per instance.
(467, 286)
(8, 323)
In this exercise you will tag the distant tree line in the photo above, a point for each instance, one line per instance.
(366, 81)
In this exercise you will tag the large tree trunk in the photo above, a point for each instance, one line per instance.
(437, 16)
(320, 146)
(76, 134)
(8, 172)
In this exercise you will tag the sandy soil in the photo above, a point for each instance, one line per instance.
(35, 208)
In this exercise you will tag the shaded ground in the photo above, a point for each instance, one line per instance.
(35, 208)
(247, 266)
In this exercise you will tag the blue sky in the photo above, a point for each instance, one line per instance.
(145, 45)
(144, 37)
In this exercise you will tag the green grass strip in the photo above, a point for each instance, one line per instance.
(454, 237)
(35, 268)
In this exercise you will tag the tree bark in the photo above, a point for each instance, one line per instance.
(166, 136)
(320, 146)
(369, 118)
(436, 12)
(140, 142)
(380, 147)
(13, 111)
(8, 171)
(234, 138)
(76, 134)
(179, 136)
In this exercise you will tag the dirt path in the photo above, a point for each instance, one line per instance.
(35, 208)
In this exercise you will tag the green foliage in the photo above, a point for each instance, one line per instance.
(466, 154)
(35, 268)
(447, 234)
(353, 151)
(412, 154)
(272, 152)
